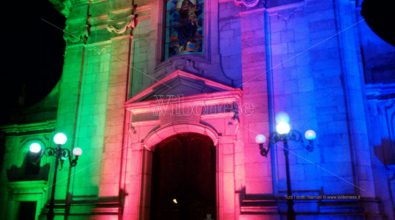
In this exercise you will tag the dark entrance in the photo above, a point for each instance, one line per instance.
(27, 211)
(183, 178)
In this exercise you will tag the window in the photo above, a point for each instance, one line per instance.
(184, 27)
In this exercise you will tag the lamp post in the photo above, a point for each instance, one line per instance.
(60, 154)
(284, 134)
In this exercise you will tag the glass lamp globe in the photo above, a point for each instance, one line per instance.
(35, 147)
(260, 139)
(60, 138)
(283, 127)
(77, 151)
(310, 135)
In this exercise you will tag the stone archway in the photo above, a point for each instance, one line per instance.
(139, 204)
(160, 137)
(183, 182)
(151, 121)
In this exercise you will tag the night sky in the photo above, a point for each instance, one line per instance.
(32, 54)
(380, 17)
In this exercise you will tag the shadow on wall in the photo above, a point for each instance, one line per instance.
(385, 152)
(102, 204)
(2, 149)
(29, 171)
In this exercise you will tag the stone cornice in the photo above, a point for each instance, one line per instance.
(380, 91)
(28, 187)
(17, 129)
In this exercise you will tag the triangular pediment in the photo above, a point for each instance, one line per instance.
(179, 84)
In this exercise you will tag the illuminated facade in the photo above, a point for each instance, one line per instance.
(165, 98)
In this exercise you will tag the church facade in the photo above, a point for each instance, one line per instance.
(166, 100)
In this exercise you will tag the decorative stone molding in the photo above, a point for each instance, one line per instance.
(380, 91)
(161, 134)
(26, 188)
(169, 86)
(131, 24)
(192, 64)
(246, 3)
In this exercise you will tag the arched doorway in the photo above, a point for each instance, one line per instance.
(184, 178)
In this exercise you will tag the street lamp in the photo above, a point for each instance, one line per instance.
(60, 154)
(284, 134)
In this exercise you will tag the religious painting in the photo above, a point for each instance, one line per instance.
(184, 27)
